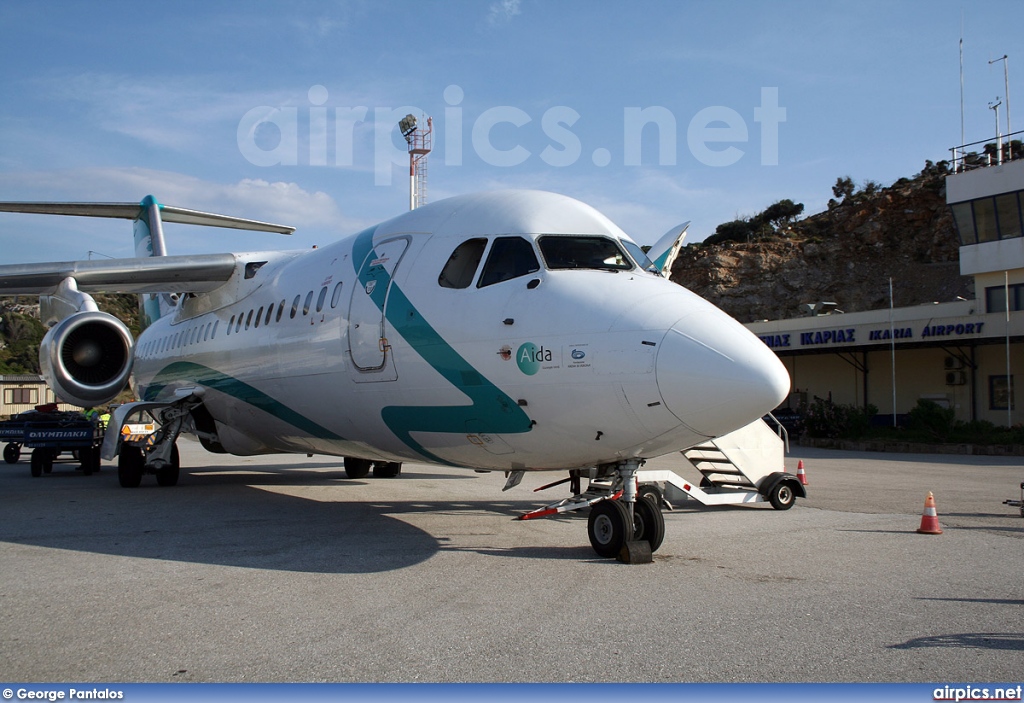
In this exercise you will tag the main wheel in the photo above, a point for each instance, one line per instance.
(782, 496)
(609, 527)
(130, 463)
(648, 522)
(357, 468)
(36, 462)
(386, 469)
(90, 458)
(168, 476)
(12, 452)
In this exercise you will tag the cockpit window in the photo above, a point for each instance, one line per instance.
(583, 253)
(462, 264)
(640, 257)
(510, 257)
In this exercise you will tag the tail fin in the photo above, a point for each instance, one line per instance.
(149, 241)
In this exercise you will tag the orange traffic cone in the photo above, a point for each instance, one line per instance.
(930, 518)
(800, 473)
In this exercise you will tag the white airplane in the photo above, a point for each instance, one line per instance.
(503, 331)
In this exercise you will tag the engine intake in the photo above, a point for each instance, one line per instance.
(87, 358)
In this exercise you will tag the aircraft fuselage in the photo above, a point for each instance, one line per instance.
(496, 331)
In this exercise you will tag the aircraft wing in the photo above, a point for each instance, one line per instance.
(185, 274)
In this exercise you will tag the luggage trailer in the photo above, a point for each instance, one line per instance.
(48, 434)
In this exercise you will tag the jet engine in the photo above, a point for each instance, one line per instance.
(86, 358)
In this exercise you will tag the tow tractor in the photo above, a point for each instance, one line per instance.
(741, 467)
(48, 432)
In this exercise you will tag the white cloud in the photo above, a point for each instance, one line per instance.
(503, 11)
(316, 215)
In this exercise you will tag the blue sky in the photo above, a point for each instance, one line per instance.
(653, 112)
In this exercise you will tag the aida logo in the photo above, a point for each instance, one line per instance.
(530, 357)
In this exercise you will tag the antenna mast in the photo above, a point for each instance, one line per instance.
(419, 141)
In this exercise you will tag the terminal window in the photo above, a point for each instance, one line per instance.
(989, 219)
(995, 298)
(1000, 393)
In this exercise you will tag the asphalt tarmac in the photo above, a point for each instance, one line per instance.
(282, 569)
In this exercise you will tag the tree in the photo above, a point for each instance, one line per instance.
(870, 187)
(844, 187)
(734, 231)
(782, 212)
(21, 335)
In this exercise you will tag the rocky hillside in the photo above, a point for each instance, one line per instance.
(846, 254)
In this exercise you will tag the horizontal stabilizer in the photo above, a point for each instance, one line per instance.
(190, 273)
(132, 211)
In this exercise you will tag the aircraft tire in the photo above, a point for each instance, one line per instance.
(387, 469)
(168, 476)
(782, 496)
(648, 522)
(357, 468)
(12, 452)
(129, 467)
(90, 458)
(651, 492)
(609, 527)
(36, 463)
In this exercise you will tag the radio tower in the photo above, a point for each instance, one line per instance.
(419, 146)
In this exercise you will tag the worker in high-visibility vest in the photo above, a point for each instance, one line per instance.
(92, 415)
(105, 419)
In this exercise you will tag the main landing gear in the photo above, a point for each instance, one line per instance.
(360, 468)
(153, 452)
(624, 522)
(133, 463)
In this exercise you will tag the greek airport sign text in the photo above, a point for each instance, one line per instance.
(862, 335)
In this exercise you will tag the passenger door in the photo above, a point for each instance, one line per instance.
(367, 333)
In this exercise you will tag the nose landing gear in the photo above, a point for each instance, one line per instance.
(623, 523)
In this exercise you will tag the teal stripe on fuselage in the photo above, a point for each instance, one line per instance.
(188, 372)
(492, 410)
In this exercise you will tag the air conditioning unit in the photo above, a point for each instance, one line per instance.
(953, 363)
(955, 378)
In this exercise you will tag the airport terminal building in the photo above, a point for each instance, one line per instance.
(967, 355)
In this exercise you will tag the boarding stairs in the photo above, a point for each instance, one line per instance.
(743, 466)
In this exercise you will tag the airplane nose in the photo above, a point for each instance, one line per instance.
(715, 376)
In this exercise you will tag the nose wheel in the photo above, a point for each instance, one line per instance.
(609, 527)
(624, 523)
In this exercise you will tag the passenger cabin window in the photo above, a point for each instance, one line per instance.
(510, 257)
(461, 267)
(575, 252)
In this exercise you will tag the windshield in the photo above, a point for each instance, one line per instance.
(640, 257)
(579, 252)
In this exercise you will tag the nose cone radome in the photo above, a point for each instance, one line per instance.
(715, 376)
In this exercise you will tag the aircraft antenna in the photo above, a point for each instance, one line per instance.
(419, 141)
